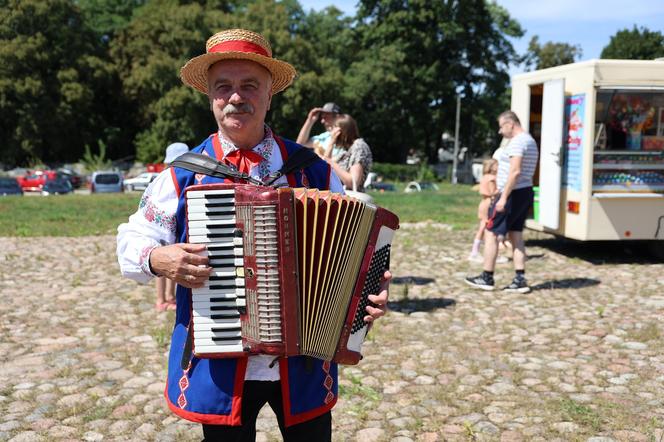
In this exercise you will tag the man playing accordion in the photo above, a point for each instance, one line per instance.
(239, 75)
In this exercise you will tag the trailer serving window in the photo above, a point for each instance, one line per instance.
(629, 120)
(629, 141)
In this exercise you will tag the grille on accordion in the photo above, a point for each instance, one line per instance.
(292, 270)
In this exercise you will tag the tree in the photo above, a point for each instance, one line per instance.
(55, 84)
(415, 57)
(149, 53)
(107, 17)
(163, 35)
(550, 54)
(637, 44)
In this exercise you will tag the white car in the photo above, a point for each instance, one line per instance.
(140, 182)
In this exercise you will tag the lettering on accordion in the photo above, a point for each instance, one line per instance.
(292, 270)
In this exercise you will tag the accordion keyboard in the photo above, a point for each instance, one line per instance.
(217, 306)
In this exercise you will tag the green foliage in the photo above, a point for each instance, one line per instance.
(414, 58)
(550, 54)
(73, 72)
(635, 44)
(581, 414)
(55, 85)
(97, 161)
(404, 172)
(106, 17)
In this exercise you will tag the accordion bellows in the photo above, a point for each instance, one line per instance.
(292, 270)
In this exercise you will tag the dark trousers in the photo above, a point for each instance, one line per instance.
(256, 394)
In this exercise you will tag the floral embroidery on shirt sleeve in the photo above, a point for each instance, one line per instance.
(155, 215)
(144, 260)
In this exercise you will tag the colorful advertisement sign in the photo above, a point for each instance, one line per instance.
(575, 107)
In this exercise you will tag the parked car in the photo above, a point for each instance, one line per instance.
(140, 182)
(103, 181)
(10, 186)
(59, 186)
(33, 181)
(74, 178)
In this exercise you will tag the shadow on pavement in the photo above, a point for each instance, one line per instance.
(411, 280)
(570, 283)
(420, 305)
(598, 252)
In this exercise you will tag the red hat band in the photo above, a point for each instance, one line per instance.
(239, 46)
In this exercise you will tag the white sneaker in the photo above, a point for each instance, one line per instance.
(475, 257)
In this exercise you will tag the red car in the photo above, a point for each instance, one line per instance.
(34, 181)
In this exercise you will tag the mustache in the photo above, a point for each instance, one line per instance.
(241, 108)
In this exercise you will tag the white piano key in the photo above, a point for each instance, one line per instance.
(201, 201)
(233, 340)
(198, 305)
(224, 268)
(223, 272)
(206, 348)
(241, 302)
(201, 214)
(227, 221)
(230, 292)
(206, 312)
(203, 322)
(202, 193)
(200, 239)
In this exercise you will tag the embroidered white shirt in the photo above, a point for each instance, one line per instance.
(154, 225)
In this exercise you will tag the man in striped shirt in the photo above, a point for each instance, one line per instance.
(507, 214)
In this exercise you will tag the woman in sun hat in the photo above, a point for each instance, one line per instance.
(239, 75)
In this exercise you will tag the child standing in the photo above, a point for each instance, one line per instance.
(488, 190)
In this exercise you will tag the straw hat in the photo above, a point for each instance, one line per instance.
(237, 44)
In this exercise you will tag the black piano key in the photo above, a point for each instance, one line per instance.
(223, 307)
(220, 247)
(220, 299)
(222, 278)
(231, 316)
(233, 329)
(231, 338)
(220, 235)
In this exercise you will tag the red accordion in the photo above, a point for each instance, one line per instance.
(292, 270)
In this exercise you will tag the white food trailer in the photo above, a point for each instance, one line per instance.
(600, 128)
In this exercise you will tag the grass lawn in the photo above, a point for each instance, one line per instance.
(65, 215)
(100, 214)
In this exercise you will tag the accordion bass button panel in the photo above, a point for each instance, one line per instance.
(218, 305)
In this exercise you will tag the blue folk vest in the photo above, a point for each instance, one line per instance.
(209, 391)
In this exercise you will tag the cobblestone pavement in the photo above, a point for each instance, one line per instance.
(83, 352)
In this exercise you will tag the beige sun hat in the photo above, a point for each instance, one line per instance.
(237, 44)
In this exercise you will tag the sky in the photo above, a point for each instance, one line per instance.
(587, 23)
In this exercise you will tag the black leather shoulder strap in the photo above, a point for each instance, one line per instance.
(300, 159)
(199, 163)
